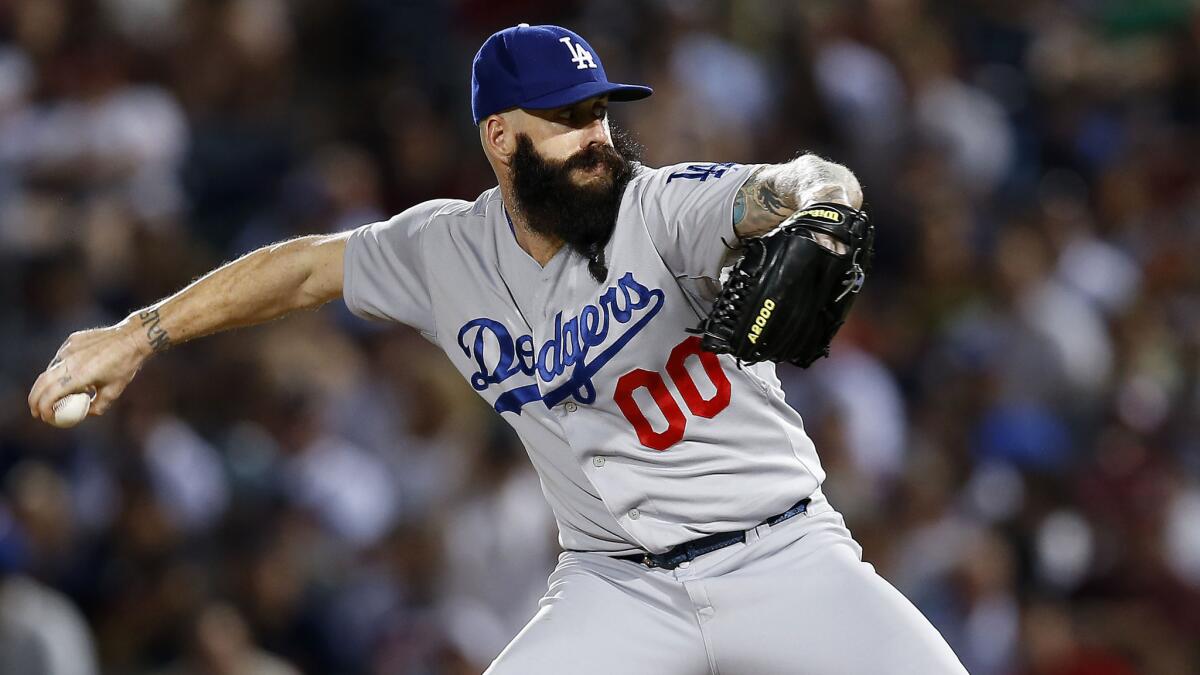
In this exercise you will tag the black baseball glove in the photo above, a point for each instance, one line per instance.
(788, 294)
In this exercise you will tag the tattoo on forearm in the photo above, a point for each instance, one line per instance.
(156, 335)
(771, 201)
(774, 192)
(759, 206)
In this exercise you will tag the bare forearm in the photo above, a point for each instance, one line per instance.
(258, 287)
(774, 192)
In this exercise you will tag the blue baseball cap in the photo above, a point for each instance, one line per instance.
(540, 67)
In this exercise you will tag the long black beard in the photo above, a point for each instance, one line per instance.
(582, 217)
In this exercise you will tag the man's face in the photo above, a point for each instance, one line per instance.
(565, 134)
(570, 187)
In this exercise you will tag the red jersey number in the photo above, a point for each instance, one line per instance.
(657, 388)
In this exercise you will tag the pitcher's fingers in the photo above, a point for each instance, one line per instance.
(55, 384)
(35, 393)
(39, 393)
(39, 385)
(44, 403)
(104, 399)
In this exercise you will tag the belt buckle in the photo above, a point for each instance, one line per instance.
(648, 561)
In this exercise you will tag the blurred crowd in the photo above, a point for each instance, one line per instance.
(1010, 422)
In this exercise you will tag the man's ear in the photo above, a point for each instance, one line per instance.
(500, 138)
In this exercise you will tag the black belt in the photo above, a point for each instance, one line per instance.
(690, 550)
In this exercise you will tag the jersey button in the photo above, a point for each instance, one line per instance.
(571, 406)
(598, 462)
(634, 514)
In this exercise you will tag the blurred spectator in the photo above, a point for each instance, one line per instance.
(41, 632)
(495, 575)
(220, 645)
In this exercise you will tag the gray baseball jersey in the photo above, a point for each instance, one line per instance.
(641, 440)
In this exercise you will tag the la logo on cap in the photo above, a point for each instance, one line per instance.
(581, 57)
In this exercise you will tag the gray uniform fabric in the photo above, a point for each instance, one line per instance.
(795, 599)
(549, 346)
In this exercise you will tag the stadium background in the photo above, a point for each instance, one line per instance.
(1010, 422)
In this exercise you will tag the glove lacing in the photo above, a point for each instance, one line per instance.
(721, 323)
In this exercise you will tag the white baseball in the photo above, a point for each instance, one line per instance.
(71, 409)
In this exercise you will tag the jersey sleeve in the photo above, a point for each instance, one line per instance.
(688, 209)
(384, 273)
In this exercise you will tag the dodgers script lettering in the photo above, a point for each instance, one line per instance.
(629, 304)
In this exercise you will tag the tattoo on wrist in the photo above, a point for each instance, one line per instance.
(156, 335)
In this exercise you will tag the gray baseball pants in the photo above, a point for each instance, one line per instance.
(795, 599)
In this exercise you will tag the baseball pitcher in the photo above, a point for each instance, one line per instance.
(582, 298)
